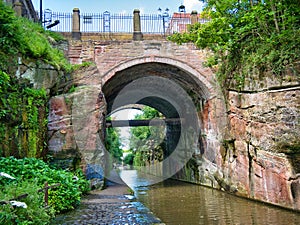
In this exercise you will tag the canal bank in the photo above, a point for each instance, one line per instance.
(173, 202)
(113, 205)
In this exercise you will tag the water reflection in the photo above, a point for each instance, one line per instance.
(182, 203)
(136, 180)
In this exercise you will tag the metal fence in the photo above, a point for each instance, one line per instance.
(106, 22)
(153, 23)
(65, 21)
(117, 23)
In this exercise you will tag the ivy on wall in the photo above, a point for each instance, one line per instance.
(23, 109)
(23, 124)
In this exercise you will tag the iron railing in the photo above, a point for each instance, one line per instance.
(153, 23)
(65, 21)
(106, 22)
(119, 23)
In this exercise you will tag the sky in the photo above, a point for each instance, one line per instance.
(118, 6)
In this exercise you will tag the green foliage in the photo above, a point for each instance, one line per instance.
(129, 159)
(72, 89)
(82, 65)
(248, 37)
(139, 135)
(21, 37)
(9, 34)
(140, 158)
(65, 197)
(23, 110)
(148, 113)
(290, 147)
(113, 143)
(22, 118)
(147, 142)
(4, 84)
(35, 213)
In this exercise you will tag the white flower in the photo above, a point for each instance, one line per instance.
(2, 174)
(18, 204)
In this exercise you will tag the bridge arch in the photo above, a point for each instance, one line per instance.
(173, 87)
(207, 90)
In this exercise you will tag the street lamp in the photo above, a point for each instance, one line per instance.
(47, 17)
(165, 18)
(41, 12)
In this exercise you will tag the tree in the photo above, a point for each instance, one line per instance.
(248, 37)
(147, 142)
(140, 134)
(113, 143)
(129, 159)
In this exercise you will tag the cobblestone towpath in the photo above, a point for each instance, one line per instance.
(114, 205)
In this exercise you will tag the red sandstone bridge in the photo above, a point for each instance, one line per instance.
(232, 148)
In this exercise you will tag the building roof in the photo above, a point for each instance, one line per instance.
(181, 15)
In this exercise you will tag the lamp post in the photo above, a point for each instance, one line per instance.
(165, 18)
(41, 12)
(47, 17)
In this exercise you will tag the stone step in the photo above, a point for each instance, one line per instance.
(74, 51)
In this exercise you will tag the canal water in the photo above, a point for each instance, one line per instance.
(180, 203)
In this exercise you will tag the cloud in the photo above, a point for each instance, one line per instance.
(193, 5)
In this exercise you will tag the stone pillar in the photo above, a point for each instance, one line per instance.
(194, 17)
(18, 8)
(76, 24)
(137, 33)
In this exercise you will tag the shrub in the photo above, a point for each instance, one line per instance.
(248, 38)
(35, 213)
(65, 197)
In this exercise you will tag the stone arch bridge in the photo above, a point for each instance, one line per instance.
(178, 70)
(231, 146)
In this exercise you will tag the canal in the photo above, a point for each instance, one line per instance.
(181, 203)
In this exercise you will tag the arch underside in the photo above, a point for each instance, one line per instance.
(169, 99)
(175, 92)
(194, 88)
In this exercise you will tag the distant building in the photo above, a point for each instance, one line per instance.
(26, 8)
(180, 22)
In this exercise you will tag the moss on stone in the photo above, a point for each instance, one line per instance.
(292, 150)
(227, 147)
(289, 148)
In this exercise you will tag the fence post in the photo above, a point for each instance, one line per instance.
(76, 24)
(46, 193)
(194, 16)
(18, 8)
(137, 33)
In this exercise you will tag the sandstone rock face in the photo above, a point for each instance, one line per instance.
(264, 158)
(40, 74)
(74, 124)
(25, 134)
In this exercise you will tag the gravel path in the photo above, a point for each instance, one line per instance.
(112, 206)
